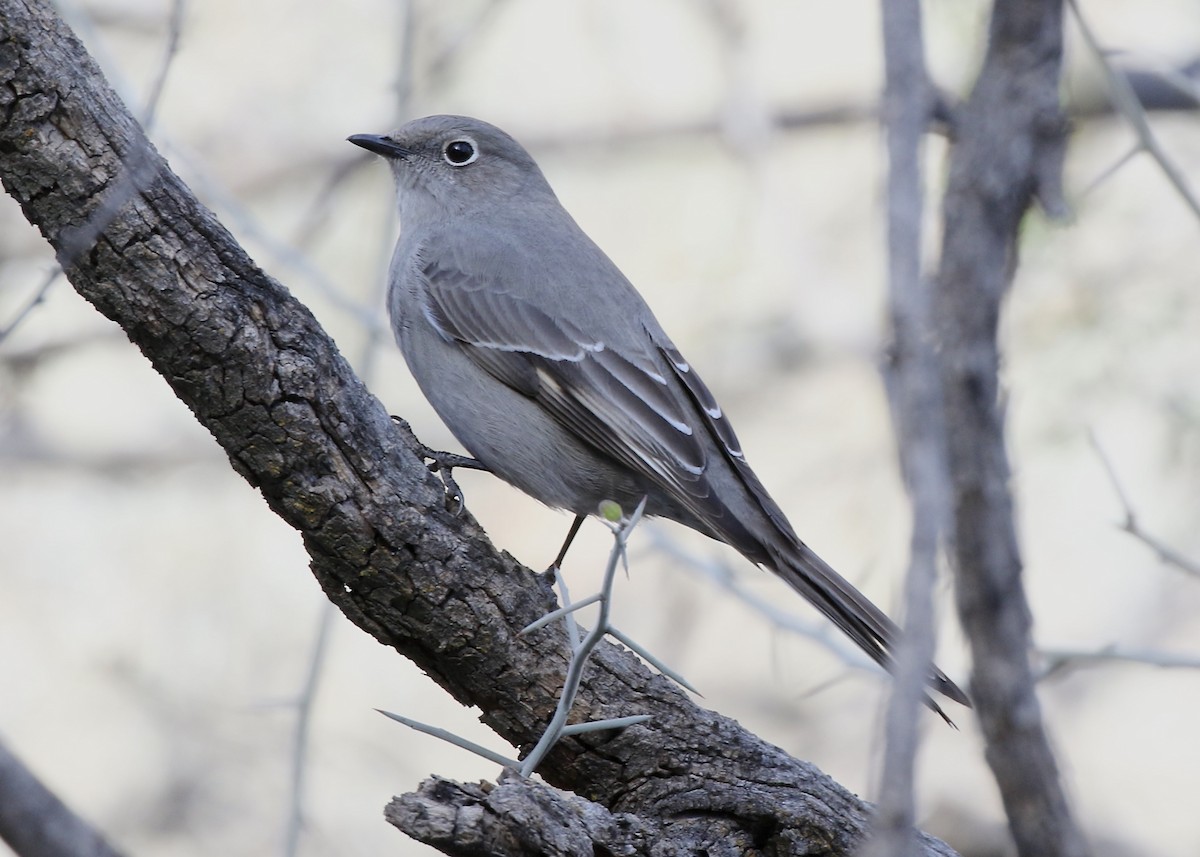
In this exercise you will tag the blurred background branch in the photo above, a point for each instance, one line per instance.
(1010, 142)
(914, 394)
(35, 823)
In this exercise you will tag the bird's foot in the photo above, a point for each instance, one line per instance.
(443, 464)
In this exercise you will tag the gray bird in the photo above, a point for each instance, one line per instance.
(552, 371)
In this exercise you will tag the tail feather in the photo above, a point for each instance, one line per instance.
(850, 610)
(730, 504)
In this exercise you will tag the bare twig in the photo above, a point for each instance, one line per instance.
(1130, 524)
(305, 702)
(452, 738)
(174, 32)
(1111, 169)
(581, 652)
(283, 252)
(1126, 102)
(39, 297)
(729, 580)
(1057, 661)
(453, 45)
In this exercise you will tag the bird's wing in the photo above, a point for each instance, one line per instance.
(626, 403)
(719, 427)
(646, 408)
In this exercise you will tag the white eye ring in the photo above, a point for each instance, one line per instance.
(460, 151)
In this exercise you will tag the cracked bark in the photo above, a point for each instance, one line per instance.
(258, 372)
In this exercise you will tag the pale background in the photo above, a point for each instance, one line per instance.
(156, 619)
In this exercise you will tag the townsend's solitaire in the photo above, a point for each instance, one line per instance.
(550, 369)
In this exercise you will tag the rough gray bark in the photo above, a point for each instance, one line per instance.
(1010, 140)
(259, 373)
(517, 817)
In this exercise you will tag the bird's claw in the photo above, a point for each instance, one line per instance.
(455, 501)
(442, 463)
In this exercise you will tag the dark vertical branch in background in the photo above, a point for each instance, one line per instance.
(1010, 139)
(910, 372)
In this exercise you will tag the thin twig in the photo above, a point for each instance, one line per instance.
(1111, 170)
(582, 652)
(285, 254)
(600, 725)
(1130, 524)
(305, 703)
(174, 31)
(568, 610)
(650, 658)
(450, 738)
(569, 607)
(728, 580)
(38, 298)
(454, 45)
(565, 593)
(1126, 102)
(1058, 660)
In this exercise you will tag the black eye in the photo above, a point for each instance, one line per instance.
(460, 152)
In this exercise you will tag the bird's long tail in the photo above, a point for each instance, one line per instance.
(850, 610)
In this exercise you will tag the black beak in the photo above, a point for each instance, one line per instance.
(380, 145)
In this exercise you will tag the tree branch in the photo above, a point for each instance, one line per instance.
(1011, 137)
(259, 373)
(520, 818)
(35, 823)
(912, 381)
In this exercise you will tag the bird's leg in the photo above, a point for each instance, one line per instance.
(442, 463)
(551, 575)
(571, 533)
